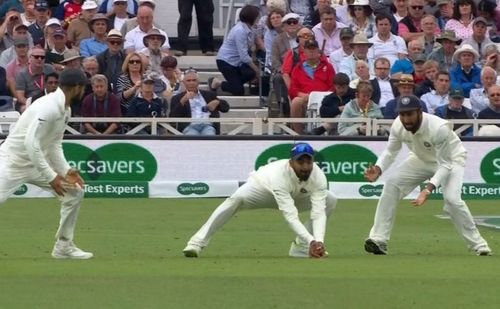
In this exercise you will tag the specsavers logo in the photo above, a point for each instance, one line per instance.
(371, 190)
(490, 166)
(342, 162)
(112, 162)
(198, 188)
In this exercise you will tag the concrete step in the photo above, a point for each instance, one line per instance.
(199, 63)
(245, 113)
(242, 101)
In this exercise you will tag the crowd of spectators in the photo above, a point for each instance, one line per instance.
(365, 53)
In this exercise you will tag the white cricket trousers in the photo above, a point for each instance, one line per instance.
(12, 177)
(251, 196)
(412, 173)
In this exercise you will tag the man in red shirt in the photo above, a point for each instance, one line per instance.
(314, 73)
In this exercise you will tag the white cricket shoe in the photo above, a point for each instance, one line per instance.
(68, 250)
(483, 251)
(192, 250)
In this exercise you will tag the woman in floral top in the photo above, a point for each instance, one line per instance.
(464, 13)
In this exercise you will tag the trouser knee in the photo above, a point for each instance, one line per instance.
(73, 197)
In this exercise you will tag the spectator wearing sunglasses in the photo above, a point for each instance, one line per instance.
(461, 23)
(31, 80)
(285, 41)
(111, 60)
(361, 18)
(410, 27)
(129, 82)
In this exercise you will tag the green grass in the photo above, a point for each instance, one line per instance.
(138, 262)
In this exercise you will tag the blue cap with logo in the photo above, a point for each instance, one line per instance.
(408, 103)
(301, 149)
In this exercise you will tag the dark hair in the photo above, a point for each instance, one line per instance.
(487, 6)
(168, 62)
(53, 74)
(249, 14)
(341, 79)
(456, 8)
(273, 11)
(366, 9)
(328, 11)
(382, 16)
(443, 72)
(381, 59)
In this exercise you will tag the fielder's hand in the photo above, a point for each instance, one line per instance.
(74, 179)
(421, 198)
(58, 185)
(372, 173)
(316, 249)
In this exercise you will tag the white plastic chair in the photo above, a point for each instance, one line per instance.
(6, 126)
(314, 104)
(466, 103)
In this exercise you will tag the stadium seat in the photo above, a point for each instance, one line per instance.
(6, 126)
(313, 106)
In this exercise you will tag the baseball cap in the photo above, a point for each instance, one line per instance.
(311, 44)
(480, 20)
(21, 41)
(41, 5)
(457, 94)
(72, 77)
(52, 21)
(114, 1)
(21, 26)
(89, 5)
(301, 149)
(290, 16)
(441, 2)
(346, 33)
(408, 103)
(419, 58)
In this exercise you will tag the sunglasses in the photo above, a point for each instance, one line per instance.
(38, 56)
(358, 8)
(190, 70)
(417, 7)
(115, 42)
(134, 62)
(292, 22)
(156, 38)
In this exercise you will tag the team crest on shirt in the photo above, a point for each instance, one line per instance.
(302, 190)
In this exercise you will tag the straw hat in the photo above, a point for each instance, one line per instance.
(360, 39)
(466, 48)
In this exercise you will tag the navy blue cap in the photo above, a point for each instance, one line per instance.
(301, 149)
(41, 5)
(72, 77)
(408, 103)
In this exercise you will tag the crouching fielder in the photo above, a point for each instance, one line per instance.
(32, 153)
(436, 153)
(291, 186)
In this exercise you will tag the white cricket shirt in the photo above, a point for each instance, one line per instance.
(36, 139)
(279, 178)
(434, 142)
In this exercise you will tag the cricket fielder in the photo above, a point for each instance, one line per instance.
(436, 153)
(32, 153)
(291, 186)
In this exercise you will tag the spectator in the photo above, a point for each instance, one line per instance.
(464, 13)
(19, 63)
(287, 40)
(153, 41)
(492, 57)
(97, 43)
(20, 31)
(28, 16)
(400, 9)
(8, 5)
(51, 84)
(478, 40)
(314, 18)
(406, 87)
(493, 109)
(134, 40)
(172, 77)
(454, 109)
(11, 21)
(146, 103)
(429, 25)
(100, 103)
(466, 75)
(5, 95)
(119, 13)
(479, 98)
(109, 7)
(409, 28)
(205, 17)
(361, 18)
(197, 104)
(42, 15)
(69, 9)
(30, 80)
(444, 55)
(129, 82)
(360, 107)
(342, 12)
(233, 59)
(360, 45)
(111, 60)
(431, 69)
(55, 55)
(273, 29)
(327, 32)
(131, 23)
(418, 68)
(363, 71)
(438, 97)
(261, 26)
(90, 66)
(405, 65)
(315, 73)
(52, 25)
(488, 10)
(445, 12)
(302, 7)
(79, 28)
(386, 44)
(346, 36)
(72, 59)
(383, 89)
(334, 103)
